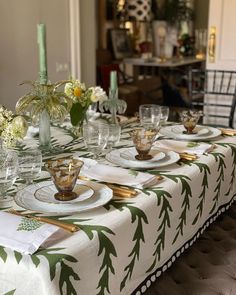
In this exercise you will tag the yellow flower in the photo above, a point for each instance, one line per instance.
(77, 91)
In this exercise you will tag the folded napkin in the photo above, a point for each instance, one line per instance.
(197, 148)
(23, 234)
(119, 175)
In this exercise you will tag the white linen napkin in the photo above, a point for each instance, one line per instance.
(189, 147)
(23, 234)
(119, 175)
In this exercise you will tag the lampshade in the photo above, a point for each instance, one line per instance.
(138, 10)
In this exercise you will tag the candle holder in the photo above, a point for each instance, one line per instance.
(46, 104)
(114, 105)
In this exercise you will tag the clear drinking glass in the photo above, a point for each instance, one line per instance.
(149, 115)
(95, 135)
(164, 114)
(30, 163)
(114, 135)
(8, 174)
(91, 112)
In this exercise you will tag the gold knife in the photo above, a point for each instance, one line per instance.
(69, 227)
(118, 190)
(189, 157)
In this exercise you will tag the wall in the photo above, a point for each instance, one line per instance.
(19, 49)
(88, 41)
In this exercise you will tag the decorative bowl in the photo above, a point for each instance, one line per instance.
(190, 119)
(64, 173)
(143, 140)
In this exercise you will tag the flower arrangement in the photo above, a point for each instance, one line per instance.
(45, 97)
(82, 98)
(12, 128)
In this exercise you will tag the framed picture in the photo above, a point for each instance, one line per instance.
(121, 43)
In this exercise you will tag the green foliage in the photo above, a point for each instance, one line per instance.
(77, 114)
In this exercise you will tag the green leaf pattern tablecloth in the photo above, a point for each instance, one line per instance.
(125, 245)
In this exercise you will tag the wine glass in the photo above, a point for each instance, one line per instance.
(30, 163)
(95, 135)
(164, 114)
(8, 174)
(150, 115)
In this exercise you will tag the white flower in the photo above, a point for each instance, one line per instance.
(11, 129)
(98, 94)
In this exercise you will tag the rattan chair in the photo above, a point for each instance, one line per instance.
(215, 92)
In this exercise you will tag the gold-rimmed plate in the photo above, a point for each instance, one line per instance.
(46, 194)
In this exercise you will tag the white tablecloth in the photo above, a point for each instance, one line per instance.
(125, 245)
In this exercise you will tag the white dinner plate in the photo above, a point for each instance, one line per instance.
(172, 132)
(130, 153)
(199, 131)
(46, 193)
(115, 157)
(25, 198)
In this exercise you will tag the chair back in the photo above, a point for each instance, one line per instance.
(215, 92)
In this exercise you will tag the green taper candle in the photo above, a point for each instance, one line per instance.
(113, 80)
(43, 75)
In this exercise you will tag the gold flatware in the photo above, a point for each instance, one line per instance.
(119, 191)
(189, 157)
(123, 191)
(228, 131)
(65, 226)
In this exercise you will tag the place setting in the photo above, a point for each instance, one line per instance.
(189, 128)
(143, 154)
(64, 194)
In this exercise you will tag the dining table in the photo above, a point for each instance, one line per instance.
(125, 242)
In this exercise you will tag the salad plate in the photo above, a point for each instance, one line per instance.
(46, 193)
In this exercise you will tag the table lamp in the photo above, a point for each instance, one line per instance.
(137, 12)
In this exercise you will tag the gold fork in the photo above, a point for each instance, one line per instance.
(65, 226)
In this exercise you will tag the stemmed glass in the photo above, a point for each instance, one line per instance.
(30, 163)
(150, 115)
(8, 174)
(164, 114)
(95, 135)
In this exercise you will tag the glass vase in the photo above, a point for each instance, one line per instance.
(44, 131)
